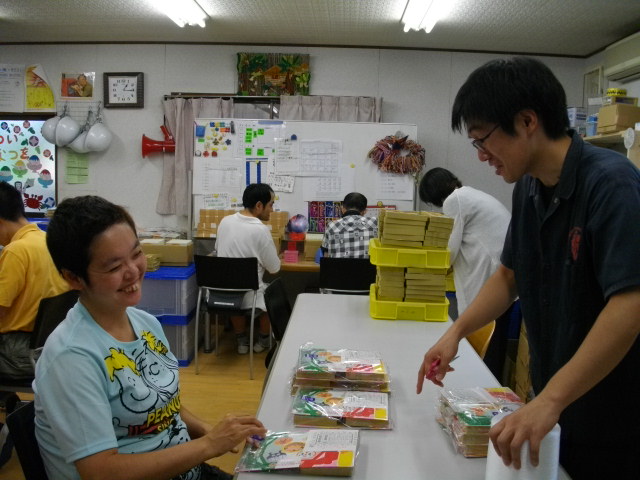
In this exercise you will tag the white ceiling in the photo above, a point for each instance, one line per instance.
(555, 27)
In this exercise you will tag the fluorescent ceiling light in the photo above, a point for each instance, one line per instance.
(183, 12)
(423, 14)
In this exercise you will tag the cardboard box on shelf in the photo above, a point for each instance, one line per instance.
(617, 117)
(610, 100)
(175, 253)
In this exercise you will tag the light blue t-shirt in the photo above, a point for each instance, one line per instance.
(93, 393)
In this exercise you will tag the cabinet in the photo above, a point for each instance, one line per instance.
(615, 141)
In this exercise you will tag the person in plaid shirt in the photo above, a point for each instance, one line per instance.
(349, 237)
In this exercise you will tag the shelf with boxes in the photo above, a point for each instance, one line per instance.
(171, 294)
(412, 263)
(209, 219)
(626, 142)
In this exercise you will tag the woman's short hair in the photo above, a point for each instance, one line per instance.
(75, 225)
(436, 185)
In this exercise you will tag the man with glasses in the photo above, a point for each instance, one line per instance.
(572, 256)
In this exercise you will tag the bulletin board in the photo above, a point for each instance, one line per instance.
(303, 161)
(28, 162)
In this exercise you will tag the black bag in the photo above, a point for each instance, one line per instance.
(226, 300)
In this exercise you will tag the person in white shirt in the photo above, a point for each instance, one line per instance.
(480, 225)
(244, 235)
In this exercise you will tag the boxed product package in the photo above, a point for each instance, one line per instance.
(172, 253)
(312, 243)
(316, 452)
(617, 117)
(466, 413)
(577, 116)
(610, 100)
(327, 408)
(322, 364)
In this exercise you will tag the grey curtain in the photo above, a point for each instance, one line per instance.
(180, 114)
(331, 108)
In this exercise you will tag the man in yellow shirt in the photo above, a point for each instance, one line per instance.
(27, 275)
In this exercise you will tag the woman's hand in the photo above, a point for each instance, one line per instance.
(231, 431)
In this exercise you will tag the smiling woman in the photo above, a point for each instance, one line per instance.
(102, 352)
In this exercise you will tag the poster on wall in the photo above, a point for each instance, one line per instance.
(38, 94)
(273, 74)
(77, 85)
(11, 87)
(28, 162)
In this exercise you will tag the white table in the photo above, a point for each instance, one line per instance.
(415, 448)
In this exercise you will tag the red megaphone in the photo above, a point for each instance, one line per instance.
(149, 145)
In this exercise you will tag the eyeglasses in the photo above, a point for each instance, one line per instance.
(479, 142)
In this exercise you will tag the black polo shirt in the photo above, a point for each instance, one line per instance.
(569, 257)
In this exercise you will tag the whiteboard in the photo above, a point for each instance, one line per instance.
(302, 161)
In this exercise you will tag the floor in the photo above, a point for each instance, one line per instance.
(222, 387)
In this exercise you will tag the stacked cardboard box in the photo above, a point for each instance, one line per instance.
(402, 229)
(390, 281)
(438, 231)
(425, 284)
(414, 229)
(403, 232)
(172, 253)
(617, 117)
(209, 221)
(312, 243)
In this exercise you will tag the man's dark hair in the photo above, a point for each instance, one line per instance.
(75, 225)
(11, 206)
(498, 90)
(256, 192)
(436, 185)
(355, 201)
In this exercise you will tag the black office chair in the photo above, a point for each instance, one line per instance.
(22, 430)
(51, 311)
(346, 275)
(279, 310)
(222, 283)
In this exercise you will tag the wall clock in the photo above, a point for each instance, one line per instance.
(123, 89)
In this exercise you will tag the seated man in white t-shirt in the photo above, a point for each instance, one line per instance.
(244, 235)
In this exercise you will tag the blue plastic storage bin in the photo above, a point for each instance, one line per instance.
(180, 332)
(170, 291)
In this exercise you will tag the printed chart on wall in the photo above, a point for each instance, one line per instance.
(304, 162)
(28, 162)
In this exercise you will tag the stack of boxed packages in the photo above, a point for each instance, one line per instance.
(340, 388)
(277, 224)
(210, 219)
(412, 261)
(340, 391)
(316, 452)
(618, 112)
(466, 413)
(171, 253)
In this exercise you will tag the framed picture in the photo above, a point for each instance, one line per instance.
(123, 89)
(77, 85)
